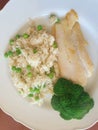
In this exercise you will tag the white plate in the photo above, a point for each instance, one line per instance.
(12, 17)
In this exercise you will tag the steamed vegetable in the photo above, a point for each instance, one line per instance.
(11, 41)
(18, 51)
(16, 69)
(39, 27)
(25, 35)
(17, 36)
(28, 67)
(8, 54)
(71, 100)
(35, 50)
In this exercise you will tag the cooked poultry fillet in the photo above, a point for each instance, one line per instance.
(74, 61)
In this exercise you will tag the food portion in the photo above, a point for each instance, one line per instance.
(71, 100)
(53, 65)
(74, 61)
(33, 63)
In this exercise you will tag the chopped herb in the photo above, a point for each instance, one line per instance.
(28, 67)
(11, 41)
(25, 35)
(29, 74)
(39, 27)
(54, 45)
(35, 50)
(18, 51)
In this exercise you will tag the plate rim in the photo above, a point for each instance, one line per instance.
(19, 121)
(29, 127)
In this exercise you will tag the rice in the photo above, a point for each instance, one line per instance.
(36, 57)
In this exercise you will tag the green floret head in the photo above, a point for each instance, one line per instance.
(71, 100)
(62, 86)
(55, 102)
(65, 116)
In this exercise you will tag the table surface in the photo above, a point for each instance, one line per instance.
(7, 123)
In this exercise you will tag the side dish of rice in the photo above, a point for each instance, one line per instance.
(33, 63)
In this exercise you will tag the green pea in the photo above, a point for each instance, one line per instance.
(14, 68)
(31, 89)
(6, 55)
(29, 75)
(39, 27)
(17, 36)
(10, 53)
(36, 98)
(51, 75)
(35, 50)
(37, 90)
(11, 42)
(18, 70)
(18, 51)
(25, 35)
(30, 95)
(28, 67)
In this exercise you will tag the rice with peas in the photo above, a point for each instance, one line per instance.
(33, 63)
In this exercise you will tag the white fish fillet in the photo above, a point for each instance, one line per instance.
(69, 62)
(73, 58)
(79, 42)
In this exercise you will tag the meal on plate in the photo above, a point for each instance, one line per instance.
(53, 64)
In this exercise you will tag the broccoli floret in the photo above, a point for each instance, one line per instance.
(70, 100)
(62, 86)
(65, 116)
(55, 102)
